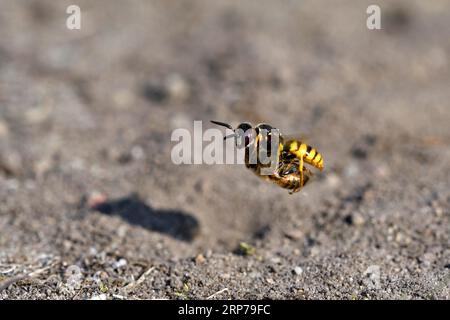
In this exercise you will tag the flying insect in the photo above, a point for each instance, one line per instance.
(292, 154)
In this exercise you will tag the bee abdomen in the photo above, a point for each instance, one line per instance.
(308, 153)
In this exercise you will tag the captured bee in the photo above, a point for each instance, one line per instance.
(291, 155)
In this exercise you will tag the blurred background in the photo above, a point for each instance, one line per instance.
(86, 177)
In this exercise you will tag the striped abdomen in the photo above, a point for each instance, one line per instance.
(303, 151)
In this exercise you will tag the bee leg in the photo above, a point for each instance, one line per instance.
(301, 172)
(307, 175)
(296, 187)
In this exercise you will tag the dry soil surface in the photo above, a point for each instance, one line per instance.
(91, 205)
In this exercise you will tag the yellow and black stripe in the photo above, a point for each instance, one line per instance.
(303, 151)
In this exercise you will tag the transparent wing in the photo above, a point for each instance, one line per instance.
(287, 167)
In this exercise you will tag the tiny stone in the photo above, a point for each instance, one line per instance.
(42, 166)
(351, 170)
(180, 120)
(439, 211)
(119, 264)
(12, 184)
(275, 260)
(358, 219)
(177, 87)
(383, 170)
(67, 245)
(355, 219)
(11, 163)
(298, 271)
(199, 259)
(254, 274)
(402, 238)
(123, 98)
(333, 180)
(372, 277)
(95, 199)
(137, 153)
(38, 115)
(294, 234)
(427, 259)
(314, 251)
(122, 231)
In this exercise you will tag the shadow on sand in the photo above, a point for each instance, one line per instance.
(176, 223)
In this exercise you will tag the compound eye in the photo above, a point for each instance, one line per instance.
(248, 137)
(244, 126)
(245, 135)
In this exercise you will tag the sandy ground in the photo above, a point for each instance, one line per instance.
(86, 118)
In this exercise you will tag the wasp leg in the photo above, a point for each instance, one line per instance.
(307, 175)
(287, 169)
(300, 168)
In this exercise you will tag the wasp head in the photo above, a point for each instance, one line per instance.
(244, 133)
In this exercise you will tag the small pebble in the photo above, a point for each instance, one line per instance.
(177, 87)
(402, 238)
(383, 170)
(122, 231)
(427, 259)
(351, 170)
(372, 276)
(293, 234)
(11, 163)
(355, 219)
(333, 180)
(38, 115)
(439, 211)
(137, 153)
(123, 98)
(119, 264)
(298, 271)
(95, 199)
(77, 164)
(12, 184)
(275, 260)
(181, 120)
(358, 219)
(67, 245)
(43, 166)
(199, 259)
